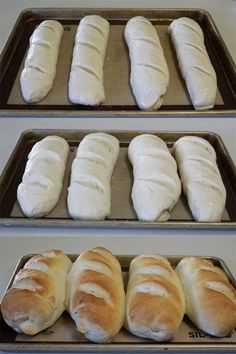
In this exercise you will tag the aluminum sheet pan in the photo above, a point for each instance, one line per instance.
(122, 212)
(63, 337)
(119, 97)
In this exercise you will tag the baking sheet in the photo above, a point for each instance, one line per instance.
(116, 72)
(63, 332)
(118, 91)
(122, 212)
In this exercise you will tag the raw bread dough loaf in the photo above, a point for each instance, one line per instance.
(96, 295)
(149, 72)
(89, 195)
(37, 296)
(155, 303)
(41, 184)
(86, 76)
(210, 298)
(156, 188)
(194, 62)
(201, 179)
(39, 71)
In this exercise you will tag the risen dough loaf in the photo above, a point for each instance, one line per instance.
(194, 62)
(89, 195)
(86, 76)
(37, 77)
(149, 72)
(156, 188)
(201, 179)
(96, 295)
(155, 303)
(37, 296)
(210, 298)
(41, 184)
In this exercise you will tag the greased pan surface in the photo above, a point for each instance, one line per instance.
(119, 97)
(122, 212)
(62, 336)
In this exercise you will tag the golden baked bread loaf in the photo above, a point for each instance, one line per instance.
(96, 295)
(210, 298)
(155, 303)
(37, 296)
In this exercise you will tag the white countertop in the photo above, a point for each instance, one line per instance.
(16, 242)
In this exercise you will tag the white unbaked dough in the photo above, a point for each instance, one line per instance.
(37, 77)
(156, 188)
(201, 179)
(89, 195)
(194, 62)
(149, 72)
(41, 183)
(86, 76)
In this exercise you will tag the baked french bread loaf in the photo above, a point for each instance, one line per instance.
(210, 298)
(194, 62)
(156, 188)
(89, 194)
(201, 179)
(149, 72)
(37, 296)
(155, 303)
(41, 185)
(96, 295)
(86, 76)
(39, 71)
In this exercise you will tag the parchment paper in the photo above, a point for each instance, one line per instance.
(116, 72)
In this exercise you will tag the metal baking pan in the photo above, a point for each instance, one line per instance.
(122, 212)
(62, 336)
(119, 99)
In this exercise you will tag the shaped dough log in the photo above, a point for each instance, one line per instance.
(96, 295)
(89, 195)
(210, 298)
(156, 188)
(155, 303)
(194, 62)
(41, 184)
(37, 296)
(149, 72)
(86, 76)
(39, 71)
(201, 179)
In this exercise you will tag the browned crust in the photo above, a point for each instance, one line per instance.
(150, 310)
(106, 314)
(32, 296)
(152, 313)
(218, 308)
